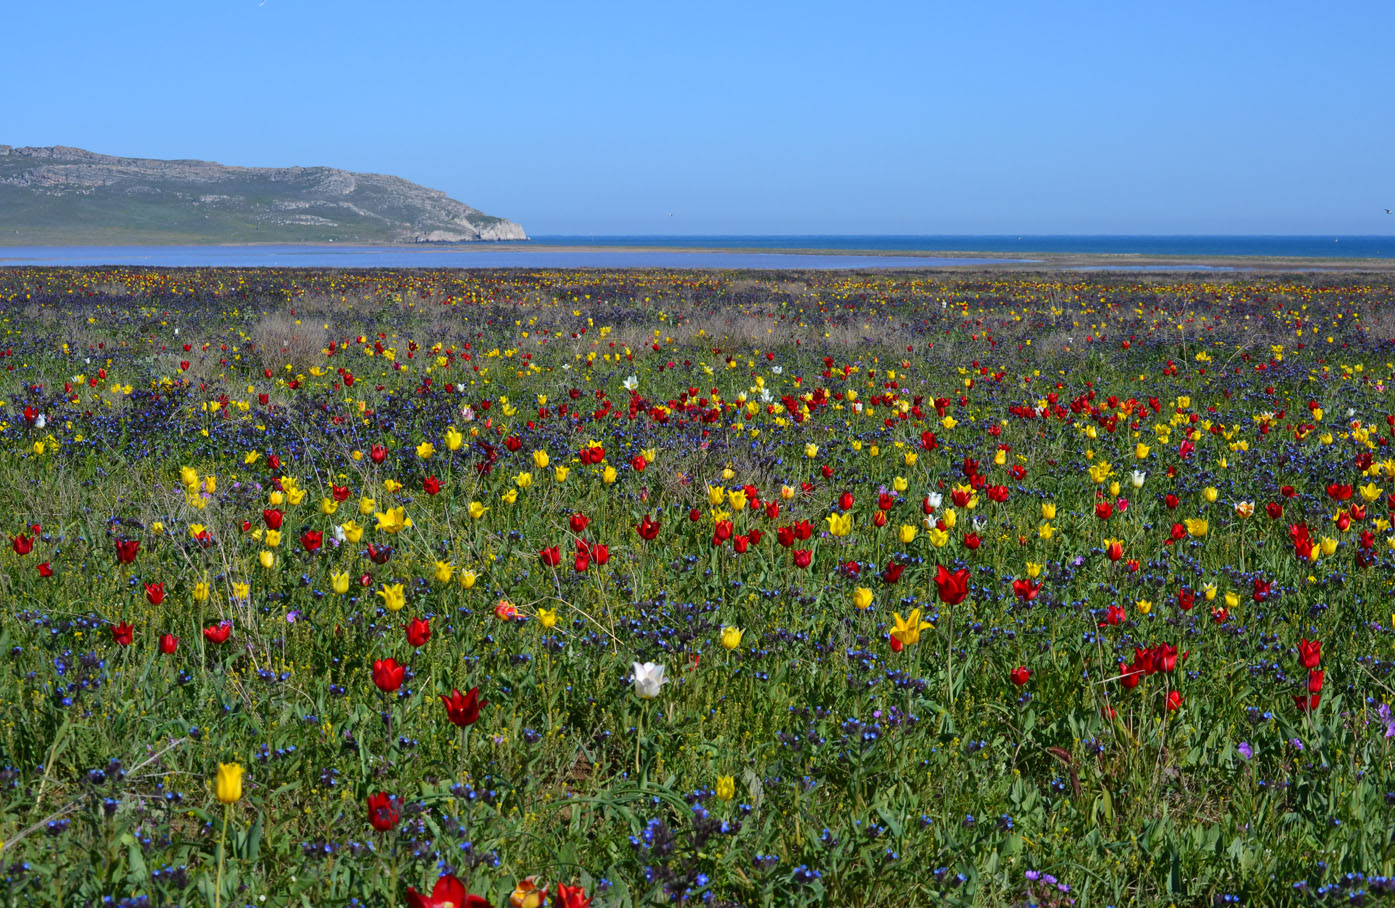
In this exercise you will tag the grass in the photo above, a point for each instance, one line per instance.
(813, 762)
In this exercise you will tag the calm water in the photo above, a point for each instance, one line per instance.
(512, 255)
(1325, 246)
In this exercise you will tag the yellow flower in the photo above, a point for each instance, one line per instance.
(1144, 606)
(251, 457)
(649, 454)
(548, 619)
(900, 484)
(731, 637)
(454, 439)
(787, 492)
(328, 506)
(811, 450)
(1210, 494)
(425, 450)
(392, 485)
(266, 558)
(228, 785)
(275, 498)
(190, 477)
(862, 597)
(950, 518)
(1033, 569)
(909, 458)
(1231, 599)
(908, 629)
(1370, 491)
(241, 591)
(1048, 510)
(840, 524)
(1209, 591)
(737, 499)
(1197, 526)
(523, 480)
(907, 534)
(608, 475)
(1244, 509)
(352, 531)
(393, 521)
(562, 473)
(295, 496)
(938, 537)
(510, 496)
(1329, 545)
(1046, 531)
(339, 581)
(477, 509)
(716, 495)
(444, 571)
(367, 506)
(273, 538)
(1141, 451)
(157, 528)
(726, 788)
(468, 578)
(393, 597)
(201, 591)
(541, 460)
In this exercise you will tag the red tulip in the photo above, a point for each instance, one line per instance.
(387, 674)
(448, 892)
(339, 493)
(1309, 652)
(570, 897)
(953, 587)
(218, 633)
(1174, 700)
(892, 572)
(378, 453)
(126, 550)
(312, 540)
(23, 545)
(1307, 703)
(896, 645)
(382, 811)
(647, 529)
(418, 632)
(582, 560)
(122, 633)
(273, 518)
(45, 570)
(431, 485)
(1026, 590)
(1020, 675)
(1130, 675)
(551, 556)
(1274, 509)
(845, 501)
(463, 709)
(803, 558)
(1315, 681)
(695, 515)
(155, 593)
(579, 523)
(1185, 599)
(168, 644)
(972, 542)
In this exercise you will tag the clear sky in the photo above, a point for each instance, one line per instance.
(753, 117)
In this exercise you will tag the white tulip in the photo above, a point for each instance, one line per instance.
(1137, 477)
(935, 498)
(649, 677)
(631, 382)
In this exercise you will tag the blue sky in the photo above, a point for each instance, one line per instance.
(764, 117)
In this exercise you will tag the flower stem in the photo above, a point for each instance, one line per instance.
(222, 854)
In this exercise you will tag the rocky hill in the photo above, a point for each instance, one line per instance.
(68, 196)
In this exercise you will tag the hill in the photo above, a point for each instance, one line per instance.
(68, 196)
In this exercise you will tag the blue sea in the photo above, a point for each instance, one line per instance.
(720, 252)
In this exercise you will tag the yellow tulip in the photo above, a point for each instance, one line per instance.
(367, 506)
(862, 597)
(907, 630)
(1048, 510)
(1210, 494)
(731, 637)
(548, 619)
(201, 591)
(608, 475)
(266, 558)
(562, 473)
(468, 578)
(477, 509)
(339, 582)
(228, 784)
(425, 450)
(726, 788)
(541, 460)
(907, 534)
(444, 571)
(393, 597)
(352, 531)
(454, 439)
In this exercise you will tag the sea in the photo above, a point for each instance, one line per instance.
(733, 251)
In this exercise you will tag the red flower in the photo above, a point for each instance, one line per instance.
(155, 593)
(126, 550)
(1171, 501)
(1307, 703)
(1315, 681)
(1130, 675)
(312, 540)
(954, 588)
(339, 493)
(551, 556)
(972, 541)
(583, 559)
(378, 453)
(570, 897)
(647, 529)
(1026, 590)
(1262, 590)
(695, 515)
(122, 633)
(845, 501)
(1309, 652)
(418, 631)
(1019, 675)
(431, 485)
(379, 555)
(600, 553)
(448, 892)
(1165, 657)
(741, 544)
(218, 633)
(382, 812)
(168, 644)
(23, 545)
(1104, 510)
(1185, 599)
(273, 518)
(892, 572)
(579, 523)
(45, 570)
(1113, 615)
(463, 709)
(803, 558)
(896, 645)
(387, 674)
(1274, 509)
(1174, 700)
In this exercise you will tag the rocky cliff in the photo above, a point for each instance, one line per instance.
(61, 195)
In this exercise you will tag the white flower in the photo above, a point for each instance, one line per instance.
(649, 677)
(339, 537)
(467, 413)
(934, 498)
(631, 382)
(778, 370)
(40, 421)
(979, 523)
(765, 396)
(1137, 477)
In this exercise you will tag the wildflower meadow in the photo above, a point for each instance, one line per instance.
(569, 588)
